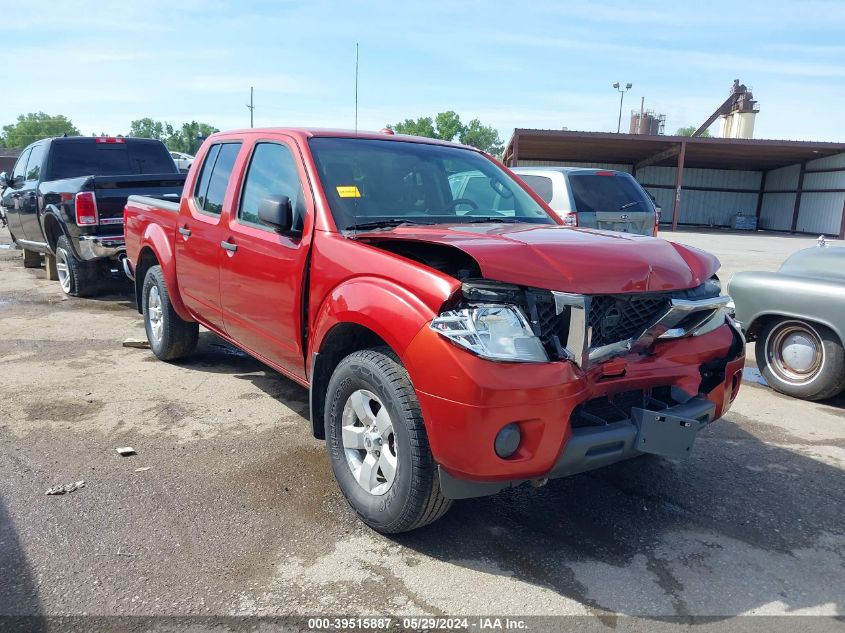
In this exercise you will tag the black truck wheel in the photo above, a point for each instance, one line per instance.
(77, 278)
(378, 446)
(800, 359)
(170, 337)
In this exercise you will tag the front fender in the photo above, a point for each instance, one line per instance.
(389, 310)
(761, 294)
(156, 240)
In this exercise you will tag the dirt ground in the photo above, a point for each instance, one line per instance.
(229, 506)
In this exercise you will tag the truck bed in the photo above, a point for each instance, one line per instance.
(112, 191)
(143, 211)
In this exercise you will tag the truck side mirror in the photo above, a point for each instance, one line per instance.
(276, 212)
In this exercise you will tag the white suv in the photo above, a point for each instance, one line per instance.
(594, 198)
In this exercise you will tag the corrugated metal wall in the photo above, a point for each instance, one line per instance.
(783, 178)
(776, 213)
(820, 212)
(836, 161)
(709, 208)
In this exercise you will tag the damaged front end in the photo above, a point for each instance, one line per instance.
(637, 373)
(504, 322)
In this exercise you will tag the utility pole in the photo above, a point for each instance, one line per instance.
(356, 87)
(251, 107)
(642, 113)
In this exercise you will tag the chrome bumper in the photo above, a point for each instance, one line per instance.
(101, 246)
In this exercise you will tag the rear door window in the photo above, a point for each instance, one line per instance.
(593, 192)
(33, 165)
(542, 185)
(214, 178)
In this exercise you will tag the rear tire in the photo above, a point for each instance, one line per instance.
(77, 278)
(378, 446)
(31, 259)
(169, 335)
(801, 359)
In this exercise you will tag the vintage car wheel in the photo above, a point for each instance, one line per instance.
(801, 359)
(378, 446)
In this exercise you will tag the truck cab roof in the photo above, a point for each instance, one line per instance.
(306, 133)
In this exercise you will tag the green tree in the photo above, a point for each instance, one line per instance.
(189, 137)
(688, 131)
(34, 126)
(148, 128)
(448, 125)
(424, 126)
(484, 137)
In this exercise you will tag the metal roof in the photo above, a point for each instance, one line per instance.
(643, 150)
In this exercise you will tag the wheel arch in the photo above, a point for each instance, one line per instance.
(759, 321)
(342, 340)
(364, 311)
(157, 249)
(146, 260)
(53, 228)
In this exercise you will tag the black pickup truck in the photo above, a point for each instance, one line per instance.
(65, 199)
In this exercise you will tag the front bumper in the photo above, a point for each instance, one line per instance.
(101, 246)
(668, 432)
(465, 401)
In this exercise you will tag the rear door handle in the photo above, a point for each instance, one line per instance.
(184, 230)
(229, 246)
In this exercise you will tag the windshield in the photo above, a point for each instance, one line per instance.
(597, 192)
(370, 182)
(84, 158)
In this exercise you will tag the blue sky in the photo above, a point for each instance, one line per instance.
(511, 64)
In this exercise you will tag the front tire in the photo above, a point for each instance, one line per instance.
(801, 359)
(169, 335)
(77, 278)
(378, 446)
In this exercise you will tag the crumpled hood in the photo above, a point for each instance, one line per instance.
(560, 258)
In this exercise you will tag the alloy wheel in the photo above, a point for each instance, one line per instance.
(63, 269)
(155, 314)
(368, 442)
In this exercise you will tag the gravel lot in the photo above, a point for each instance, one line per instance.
(237, 512)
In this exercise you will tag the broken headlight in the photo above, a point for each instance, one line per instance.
(494, 332)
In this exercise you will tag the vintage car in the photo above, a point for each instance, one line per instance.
(797, 317)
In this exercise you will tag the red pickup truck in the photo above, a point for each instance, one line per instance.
(452, 346)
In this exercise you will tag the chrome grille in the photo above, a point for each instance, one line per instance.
(611, 319)
(614, 318)
(545, 321)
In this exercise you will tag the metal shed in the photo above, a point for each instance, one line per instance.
(795, 186)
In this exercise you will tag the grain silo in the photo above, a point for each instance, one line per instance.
(647, 122)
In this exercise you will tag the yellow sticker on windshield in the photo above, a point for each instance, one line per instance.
(349, 191)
